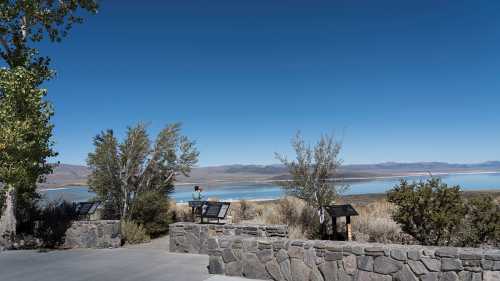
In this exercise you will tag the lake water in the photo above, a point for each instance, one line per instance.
(248, 191)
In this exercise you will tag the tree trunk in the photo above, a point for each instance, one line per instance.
(125, 207)
(8, 219)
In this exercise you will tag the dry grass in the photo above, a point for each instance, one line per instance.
(290, 211)
(242, 211)
(374, 224)
(180, 212)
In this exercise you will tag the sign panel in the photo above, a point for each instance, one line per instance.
(346, 210)
(86, 208)
(223, 211)
(212, 210)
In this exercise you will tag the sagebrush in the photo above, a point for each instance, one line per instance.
(133, 233)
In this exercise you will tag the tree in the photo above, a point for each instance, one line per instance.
(429, 211)
(122, 172)
(25, 133)
(25, 129)
(26, 22)
(315, 173)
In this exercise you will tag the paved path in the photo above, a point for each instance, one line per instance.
(124, 264)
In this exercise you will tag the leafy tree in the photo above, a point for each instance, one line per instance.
(122, 172)
(25, 132)
(429, 211)
(315, 173)
(26, 22)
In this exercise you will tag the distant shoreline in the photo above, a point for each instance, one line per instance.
(353, 179)
(347, 179)
(350, 197)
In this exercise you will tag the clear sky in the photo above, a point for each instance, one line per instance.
(399, 80)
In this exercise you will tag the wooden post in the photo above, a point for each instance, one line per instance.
(348, 228)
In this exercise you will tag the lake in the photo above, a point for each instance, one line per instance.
(265, 191)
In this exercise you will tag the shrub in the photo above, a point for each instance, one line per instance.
(133, 233)
(246, 210)
(429, 211)
(150, 209)
(302, 220)
(482, 222)
(53, 221)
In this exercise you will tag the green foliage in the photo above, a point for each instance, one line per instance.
(23, 23)
(53, 221)
(122, 172)
(25, 130)
(429, 211)
(151, 210)
(25, 136)
(133, 233)
(482, 222)
(105, 177)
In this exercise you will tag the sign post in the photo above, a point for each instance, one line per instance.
(337, 211)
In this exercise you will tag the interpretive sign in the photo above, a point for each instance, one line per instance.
(341, 210)
(337, 211)
(85, 209)
(214, 210)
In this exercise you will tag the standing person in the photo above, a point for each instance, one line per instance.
(196, 207)
(197, 196)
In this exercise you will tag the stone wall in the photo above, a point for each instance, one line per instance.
(292, 260)
(188, 237)
(93, 234)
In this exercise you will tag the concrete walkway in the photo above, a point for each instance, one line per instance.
(125, 264)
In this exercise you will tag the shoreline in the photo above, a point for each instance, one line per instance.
(349, 179)
(345, 197)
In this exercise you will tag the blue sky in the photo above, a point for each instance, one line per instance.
(398, 80)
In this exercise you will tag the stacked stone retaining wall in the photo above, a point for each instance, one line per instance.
(294, 260)
(93, 234)
(188, 237)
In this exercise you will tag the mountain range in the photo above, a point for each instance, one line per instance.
(66, 174)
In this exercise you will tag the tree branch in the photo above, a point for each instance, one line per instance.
(24, 28)
(5, 44)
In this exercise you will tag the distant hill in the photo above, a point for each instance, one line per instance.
(423, 167)
(65, 174)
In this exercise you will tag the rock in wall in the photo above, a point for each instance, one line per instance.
(93, 234)
(188, 237)
(295, 260)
